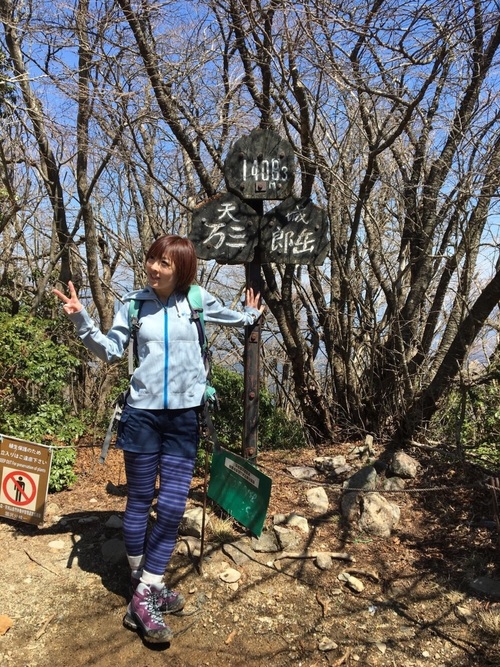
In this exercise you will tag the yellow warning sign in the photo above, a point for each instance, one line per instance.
(24, 479)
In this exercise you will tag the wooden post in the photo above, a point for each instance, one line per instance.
(252, 366)
(259, 167)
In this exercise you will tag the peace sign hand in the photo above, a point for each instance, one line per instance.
(72, 304)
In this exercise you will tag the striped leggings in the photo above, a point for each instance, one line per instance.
(175, 479)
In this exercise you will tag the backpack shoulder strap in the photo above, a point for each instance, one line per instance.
(134, 309)
(134, 313)
(196, 305)
(195, 301)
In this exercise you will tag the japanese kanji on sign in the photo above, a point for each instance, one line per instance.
(24, 479)
(229, 227)
(226, 229)
(294, 232)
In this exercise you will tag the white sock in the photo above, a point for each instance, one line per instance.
(154, 580)
(135, 562)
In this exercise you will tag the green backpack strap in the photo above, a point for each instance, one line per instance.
(134, 308)
(195, 300)
(196, 305)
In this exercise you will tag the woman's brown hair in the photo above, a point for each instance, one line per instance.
(182, 253)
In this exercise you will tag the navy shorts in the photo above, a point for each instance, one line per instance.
(166, 431)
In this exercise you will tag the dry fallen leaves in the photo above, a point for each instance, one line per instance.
(5, 624)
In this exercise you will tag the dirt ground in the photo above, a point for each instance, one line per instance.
(65, 602)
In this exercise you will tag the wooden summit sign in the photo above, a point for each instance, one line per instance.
(231, 226)
(260, 165)
(226, 229)
(294, 232)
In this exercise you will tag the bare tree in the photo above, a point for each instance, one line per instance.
(397, 122)
(392, 112)
(48, 163)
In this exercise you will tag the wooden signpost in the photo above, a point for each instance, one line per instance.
(260, 166)
(225, 228)
(294, 232)
(232, 228)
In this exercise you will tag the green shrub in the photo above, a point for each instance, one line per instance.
(36, 370)
(62, 472)
(276, 430)
(471, 419)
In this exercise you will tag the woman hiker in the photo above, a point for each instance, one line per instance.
(158, 431)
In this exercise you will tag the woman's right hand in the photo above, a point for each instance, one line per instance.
(72, 303)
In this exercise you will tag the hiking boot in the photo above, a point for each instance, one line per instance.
(144, 615)
(134, 582)
(169, 601)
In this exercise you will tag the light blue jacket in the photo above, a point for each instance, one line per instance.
(170, 373)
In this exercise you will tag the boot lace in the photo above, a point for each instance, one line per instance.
(152, 607)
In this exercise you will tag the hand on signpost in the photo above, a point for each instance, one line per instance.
(72, 303)
(253, 300)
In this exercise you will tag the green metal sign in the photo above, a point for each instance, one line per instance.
(240, 489)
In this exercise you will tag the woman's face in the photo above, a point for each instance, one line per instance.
(161, 275)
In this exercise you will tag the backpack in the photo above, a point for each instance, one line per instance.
(196, 306)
